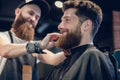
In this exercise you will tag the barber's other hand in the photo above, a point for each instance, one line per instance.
(49, 40)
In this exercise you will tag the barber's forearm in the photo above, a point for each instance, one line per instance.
(51, 58)
(13, 50)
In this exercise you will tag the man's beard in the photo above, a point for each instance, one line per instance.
(70, 40)
(23, 29)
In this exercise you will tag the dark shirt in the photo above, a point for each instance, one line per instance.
(13, 68)
(80, 64)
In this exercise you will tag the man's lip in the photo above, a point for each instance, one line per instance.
(64, 32)
(32, 24)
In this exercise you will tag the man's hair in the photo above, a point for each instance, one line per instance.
(86, 10)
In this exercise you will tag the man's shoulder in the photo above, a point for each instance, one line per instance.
(93, 49)
(94, 52)
(5, 36)
(4, 33)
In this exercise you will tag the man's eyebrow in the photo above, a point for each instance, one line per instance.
(66, 17)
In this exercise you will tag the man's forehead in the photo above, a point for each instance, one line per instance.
(32, 7)
(69, 13)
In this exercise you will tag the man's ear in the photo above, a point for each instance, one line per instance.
(17, 11)
(87, 25)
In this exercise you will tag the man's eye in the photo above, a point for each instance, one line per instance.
(67, 19)
(37, 17)
(31, 13)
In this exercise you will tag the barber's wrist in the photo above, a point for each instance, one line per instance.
(41, 45)
(33, 47)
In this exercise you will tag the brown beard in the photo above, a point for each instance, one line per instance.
(23, 29)
(72, 39)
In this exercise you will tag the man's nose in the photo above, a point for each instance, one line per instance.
(33, 18)
(60, 26)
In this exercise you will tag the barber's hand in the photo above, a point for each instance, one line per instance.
(49, 40)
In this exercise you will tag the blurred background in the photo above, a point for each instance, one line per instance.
(108, 37)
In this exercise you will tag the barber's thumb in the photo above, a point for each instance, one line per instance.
(46, 51)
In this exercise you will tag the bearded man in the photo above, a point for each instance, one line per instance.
(27, 16)
(79, 24)
(17, 45)
(18, 51)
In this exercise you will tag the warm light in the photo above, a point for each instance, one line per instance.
(58, 4)
(28, 0)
